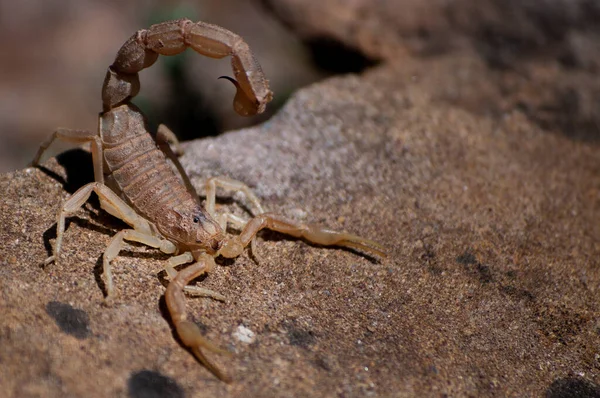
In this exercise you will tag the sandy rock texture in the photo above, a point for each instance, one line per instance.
(481, 178)
(490, 288)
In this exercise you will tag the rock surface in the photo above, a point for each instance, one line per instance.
(490, 289)
(502, 31)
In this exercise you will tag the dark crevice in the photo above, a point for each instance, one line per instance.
(568, 387)
(567, 113)
(335, 57)
(501, 49)
(330, 55)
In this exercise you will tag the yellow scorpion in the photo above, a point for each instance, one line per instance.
(136, 184)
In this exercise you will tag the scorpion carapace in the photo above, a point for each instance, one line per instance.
(135, 182)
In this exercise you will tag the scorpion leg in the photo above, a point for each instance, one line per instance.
(166, 135)
(233, 185)
(76, 137)
(165, 138)
(223, 219)
(175, 261)
(115, 246)
(188, 331)
(312, 233)
(115, 206)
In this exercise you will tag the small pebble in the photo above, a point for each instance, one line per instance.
(244, 335)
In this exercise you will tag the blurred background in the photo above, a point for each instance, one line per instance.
(55, 55)
(544, 56)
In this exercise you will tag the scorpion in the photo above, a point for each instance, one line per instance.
(135, 182)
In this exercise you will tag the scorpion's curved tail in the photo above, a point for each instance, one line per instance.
(173, 37)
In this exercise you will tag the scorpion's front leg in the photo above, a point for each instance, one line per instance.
(228, 218)
(109, 201)
(116, 244)
(312, 233)
(147, 237)
(188, 331)
(192, 290)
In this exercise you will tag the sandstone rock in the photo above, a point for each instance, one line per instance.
(502, 32)
(491, 286)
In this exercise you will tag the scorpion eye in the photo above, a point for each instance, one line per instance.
(196, 219)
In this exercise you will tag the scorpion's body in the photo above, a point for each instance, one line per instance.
(137, 170)
(136, 183)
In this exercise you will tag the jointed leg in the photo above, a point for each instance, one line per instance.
(76, 137)
(165, 138)
(166, 135)
(188, 331)
(224, 219)
(175, 261)
(228, 218)
(142, 231)
(232, 185)
(312, 233)
(240, 223)
(115, 246)
(117, 208)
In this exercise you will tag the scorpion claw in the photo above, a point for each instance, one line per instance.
(163, 209)
(190, 335)
(367, 245)
(210, 366)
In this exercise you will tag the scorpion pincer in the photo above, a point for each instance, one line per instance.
(135, 182)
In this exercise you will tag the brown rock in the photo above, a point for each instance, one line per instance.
(503, 32)
(491, 286)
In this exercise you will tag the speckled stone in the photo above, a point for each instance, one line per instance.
(490, 289)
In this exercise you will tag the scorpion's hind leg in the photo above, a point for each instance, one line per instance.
(312, 233)
(76, 137)
(166, 139)
(166, 135)
(188, 331)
